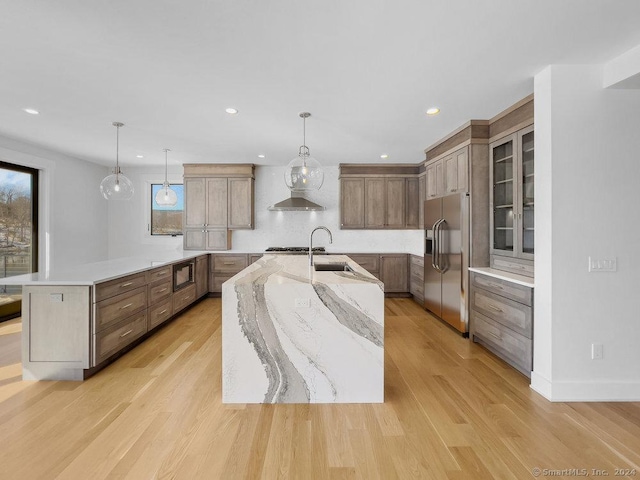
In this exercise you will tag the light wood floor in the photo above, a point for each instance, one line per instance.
(452, 411)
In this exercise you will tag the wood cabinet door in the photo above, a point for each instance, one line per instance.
(216, 202)
(412, 203)
(440, 188)
(241, 203)
(394, 272)
(422, 196)
(374, 202)
(462, 169)
(352, 203)
(450, 174)
(218, 239)
(195, 214)
(395, 193)
(195, 239)
(431, 183)
(202, 275)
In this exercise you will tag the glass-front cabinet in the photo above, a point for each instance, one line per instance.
(512, 195)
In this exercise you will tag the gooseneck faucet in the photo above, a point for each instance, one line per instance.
(311, 242)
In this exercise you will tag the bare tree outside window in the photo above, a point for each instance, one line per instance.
(167, 220)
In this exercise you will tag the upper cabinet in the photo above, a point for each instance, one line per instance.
(512, 177)
(218, 198)
(379, 196)
(512, 200)
(448, 175)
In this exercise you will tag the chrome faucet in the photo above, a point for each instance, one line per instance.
(311, 242)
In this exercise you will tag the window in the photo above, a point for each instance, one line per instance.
(18, 231)
(167, 220)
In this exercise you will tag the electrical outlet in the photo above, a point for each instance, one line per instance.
(596, 351)
(303, 302)
(55, 297)
(603, 264)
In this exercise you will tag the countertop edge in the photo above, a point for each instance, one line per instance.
(507, 276)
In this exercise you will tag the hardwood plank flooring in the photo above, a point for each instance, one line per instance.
(452, 411)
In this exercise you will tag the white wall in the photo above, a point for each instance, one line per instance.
(73, 214)
(587, 141)
(128, 220)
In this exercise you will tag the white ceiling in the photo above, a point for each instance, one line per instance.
(366, 69)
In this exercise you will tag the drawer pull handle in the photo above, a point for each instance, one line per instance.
(161, 274)
(186, 298)
(229, 263)
(495, 285)
(493, 307)
(163, 290)
(126, 333)
(452, 189)
(495, 335)
(126, 306)
(163, 312)
(128, 284)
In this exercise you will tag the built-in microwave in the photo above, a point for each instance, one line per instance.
(183, 274)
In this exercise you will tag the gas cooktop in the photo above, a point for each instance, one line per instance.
(294, 250)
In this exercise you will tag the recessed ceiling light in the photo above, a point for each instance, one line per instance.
(31, 111)
(433, 111)
(384, 155)
(139, 156)
(231, 111)
(261, 155)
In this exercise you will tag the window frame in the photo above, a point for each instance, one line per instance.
(149, 211)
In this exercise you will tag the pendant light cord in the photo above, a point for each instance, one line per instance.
(166, 165)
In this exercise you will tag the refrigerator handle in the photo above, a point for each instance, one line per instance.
(436, 246)
(441, 226)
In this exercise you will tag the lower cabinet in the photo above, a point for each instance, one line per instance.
(390, 268)
(202, 275)
(183, 298)
(113, 339)
(223, 267)
(502, 319)
(394, 272)
(416, 278)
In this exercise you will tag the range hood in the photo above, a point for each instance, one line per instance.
(296, 203)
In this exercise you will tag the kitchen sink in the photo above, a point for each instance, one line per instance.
(332, 267)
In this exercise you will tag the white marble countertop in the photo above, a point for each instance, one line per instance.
(294, 268)
(92, 273)
(509, 277)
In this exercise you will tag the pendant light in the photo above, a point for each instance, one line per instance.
(116, 186)
(166, 196)
(304, 172)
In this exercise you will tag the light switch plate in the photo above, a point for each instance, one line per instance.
(603, 264)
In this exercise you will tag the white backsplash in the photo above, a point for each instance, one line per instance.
(277, 229)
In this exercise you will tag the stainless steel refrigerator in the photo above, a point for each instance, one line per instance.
(446, 259)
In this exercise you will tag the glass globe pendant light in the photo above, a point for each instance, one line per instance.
(116, 186)
(166, 197)
(304, 172)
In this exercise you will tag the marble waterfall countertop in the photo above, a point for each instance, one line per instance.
(291, 334)
(92, 273)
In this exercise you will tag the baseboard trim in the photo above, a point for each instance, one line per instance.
(585, 391)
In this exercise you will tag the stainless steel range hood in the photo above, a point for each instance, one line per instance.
(296, 203)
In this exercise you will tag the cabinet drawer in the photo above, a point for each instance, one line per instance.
(119, 285)
(371, 263)
(184, 298)
(254, 258)
(514, 291)
(513, 346)
(159, 314)
(115, 309)
(511, 314)
(116, 337)
(159, 292)
(161, 273)
(229, 263)
(522, 267)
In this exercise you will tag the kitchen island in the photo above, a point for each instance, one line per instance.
(291, 334)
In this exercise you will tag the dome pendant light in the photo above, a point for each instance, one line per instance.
(166, 197)
(116, 186)
(304, 173)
